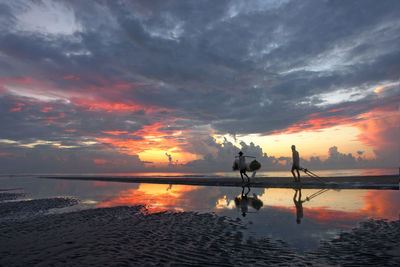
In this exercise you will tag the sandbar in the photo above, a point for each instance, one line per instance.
(385, 182)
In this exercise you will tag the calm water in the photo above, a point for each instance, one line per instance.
(277, 213)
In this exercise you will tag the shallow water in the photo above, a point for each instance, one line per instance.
(319, 215)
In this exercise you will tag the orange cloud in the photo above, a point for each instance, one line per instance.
(380, 128)
(108, 106)
(150, 139)
(115, 132)
(378, 124)
(317, 122)
(355, 114)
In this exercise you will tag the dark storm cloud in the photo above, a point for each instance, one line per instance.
(207, 60)
(237, 67)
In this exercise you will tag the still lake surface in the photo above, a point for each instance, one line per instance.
(300, 218)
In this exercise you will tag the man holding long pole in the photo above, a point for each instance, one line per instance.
(296, 164)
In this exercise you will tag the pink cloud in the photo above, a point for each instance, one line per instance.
(71, 77)
(18, 108)
(106, 95)
(46, 109)
(115, 132)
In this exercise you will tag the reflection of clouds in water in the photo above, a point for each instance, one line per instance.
(224, 203)
(330, 211)
(382, 204)
(378, 204)
(244, 201)
(347, 200)
(156, 197)
(324, 216)
(279, 221)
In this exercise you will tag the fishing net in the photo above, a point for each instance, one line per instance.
(254, 165)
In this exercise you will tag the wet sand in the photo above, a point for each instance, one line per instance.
(349, 182)
(133, 236)
(373, 243)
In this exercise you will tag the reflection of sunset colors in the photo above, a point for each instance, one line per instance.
(224, 203)
(352, 205)
(382, 204)
(156, 197)
(378, 204)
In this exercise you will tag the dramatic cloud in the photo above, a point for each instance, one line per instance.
(222, 159)
(137, 78)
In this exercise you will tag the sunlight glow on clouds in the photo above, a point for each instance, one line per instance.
(279, 144)
(36, 143)
(138, 85)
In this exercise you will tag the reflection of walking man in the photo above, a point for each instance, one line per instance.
(299, 206)
(296, 164)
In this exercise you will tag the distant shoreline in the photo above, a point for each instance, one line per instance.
(387, 182)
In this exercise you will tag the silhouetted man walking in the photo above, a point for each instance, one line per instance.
(296, 164)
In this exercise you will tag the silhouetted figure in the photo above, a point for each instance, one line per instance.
(296, 164)
(242, 166)
(243, 202)
(299, 206)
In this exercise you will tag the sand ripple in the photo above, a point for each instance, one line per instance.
(27, 209)
(375, 242)
(132, 236)
(4, 196)
(128, 236)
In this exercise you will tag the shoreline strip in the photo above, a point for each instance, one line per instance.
(384, 182)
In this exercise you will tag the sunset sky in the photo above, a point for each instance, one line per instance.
(137, 86)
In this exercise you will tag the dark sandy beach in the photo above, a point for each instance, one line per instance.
(133, 236)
